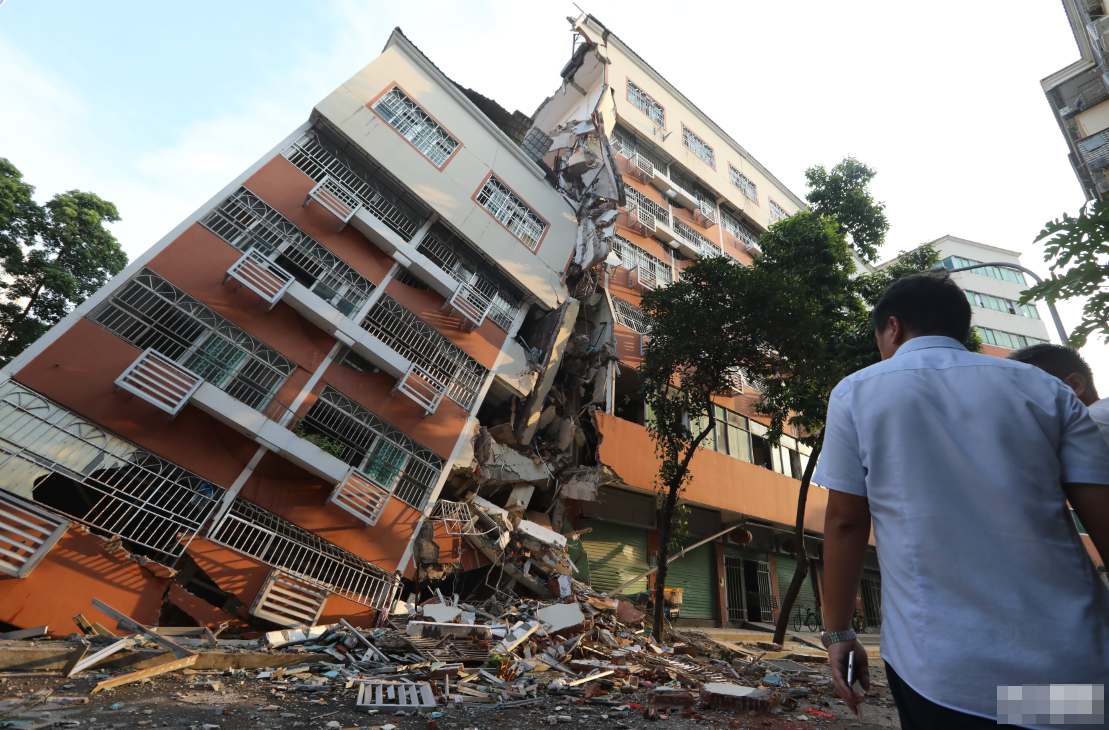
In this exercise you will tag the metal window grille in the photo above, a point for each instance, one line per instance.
(536, 144)
(451, 254)
(632, 256)
(246, 222)
(348, 358)
(628, 144)
(872, 601)
(744, 184)
(264, 536)
(416, 126)
(733, 572)
(406, 277)
(514, 213)
(382, 453)
(739, 229)
(698, 146)
(149, 312)
(416, 340)
(154, 505)
(1009, 340)
(777, 212)
(706, 200)
(318, 155)
(644, 103)
(707, 247)
(646, 205)
(630, 316)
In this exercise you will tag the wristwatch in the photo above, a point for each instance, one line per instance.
(836, 636)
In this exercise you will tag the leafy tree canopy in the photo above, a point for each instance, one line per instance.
(843, 194)
(54, 256)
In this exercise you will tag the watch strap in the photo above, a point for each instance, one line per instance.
(836, 636)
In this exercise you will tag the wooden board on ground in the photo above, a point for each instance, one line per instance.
(23, 633)
(86, 662)
(144, 673)
(36, 699)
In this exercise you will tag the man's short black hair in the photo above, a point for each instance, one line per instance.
(1058, 360)
(926, 304)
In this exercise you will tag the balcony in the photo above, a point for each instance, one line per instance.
(170, 386)
(642, 223)
(704, 215)
(642, 278)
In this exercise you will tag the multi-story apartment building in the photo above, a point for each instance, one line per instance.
(1078, 96)
(994, 292)
(415, 300)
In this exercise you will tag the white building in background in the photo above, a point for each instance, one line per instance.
(994, 293)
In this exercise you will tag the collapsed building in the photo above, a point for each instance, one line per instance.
(402, 346)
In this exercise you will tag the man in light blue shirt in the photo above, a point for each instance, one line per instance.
(964, 462)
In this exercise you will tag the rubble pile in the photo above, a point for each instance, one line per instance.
(582, 655)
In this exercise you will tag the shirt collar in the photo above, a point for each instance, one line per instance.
(920, 343)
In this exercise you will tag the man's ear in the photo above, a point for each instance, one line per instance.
(1077, 383)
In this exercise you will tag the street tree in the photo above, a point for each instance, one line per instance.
(53, 255)
(1077, 251)
(843, 194)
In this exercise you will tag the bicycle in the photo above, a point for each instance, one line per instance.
(858, 622)
(810, 619)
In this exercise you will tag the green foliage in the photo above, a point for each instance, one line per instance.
(327, 444)
(843, 195)
(726, 656)
(54, 256)
(495, 660)
(1077, 250)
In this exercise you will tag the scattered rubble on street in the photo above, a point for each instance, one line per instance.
(448, 662)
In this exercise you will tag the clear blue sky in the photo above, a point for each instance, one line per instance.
(155, 106)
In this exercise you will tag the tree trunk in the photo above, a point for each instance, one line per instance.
(664, 528)
(799, 537)
(10, 329)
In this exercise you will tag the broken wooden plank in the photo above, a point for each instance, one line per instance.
(590, 678)
(83, 624)
(36, 699)
(133, 626)
(77, 655)
(180, 663)
(23, 633)
(99, 656)
(101, 630)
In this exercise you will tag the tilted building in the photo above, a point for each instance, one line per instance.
(416, 303)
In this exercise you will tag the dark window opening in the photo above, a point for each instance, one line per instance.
(760, 452)
(628, 402)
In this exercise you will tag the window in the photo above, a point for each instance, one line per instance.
(704, 245)
(644, 103)
(453, 255)
(646, 205)
(513, 213)
(627, 144)
(246, 222)
(416, 340)
(1000, 304)
(777, 212)
(632, 256)
(737, 228)
(744, 184)
(741, 438)
(698, 146)
(381, 452)
(1006, 339)
(706, 200)
(630, 316)
(416, 126)
(149, 312)
(994, 272)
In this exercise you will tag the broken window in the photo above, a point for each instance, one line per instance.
(630, 316)
(513, 213)
(149, 312)
(644, 103)
(744, 184)
(77, 469)
(381, 452)
(632, 256)
(416, 340)
(416, 126)
(453, 255)
(777, 212)
(278, 543)
(246, 222)
(628, 402)
(698, 146)
(318, 154)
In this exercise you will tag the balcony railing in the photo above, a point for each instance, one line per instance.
(705, 214)
(642, 277)
(471, 304)
(641, 167)
(422, 387)
(261, 276)
(361, 497)
(336, 198)
(639, 221)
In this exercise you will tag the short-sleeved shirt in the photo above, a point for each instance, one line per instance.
(962, 458)
(1099, 411)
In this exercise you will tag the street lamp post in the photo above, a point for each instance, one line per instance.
(1051, 307)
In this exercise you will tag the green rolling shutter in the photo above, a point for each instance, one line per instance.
(787, 566)
(696, 574)
(617, 553)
